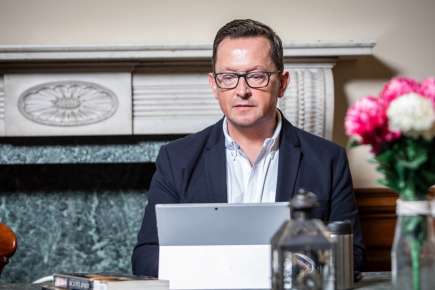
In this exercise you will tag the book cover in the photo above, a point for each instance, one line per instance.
(103, 281)
(50, 286)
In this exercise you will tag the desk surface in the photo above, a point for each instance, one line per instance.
(370, 281)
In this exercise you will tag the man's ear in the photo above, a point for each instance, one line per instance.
(212, 83)
(284, 80)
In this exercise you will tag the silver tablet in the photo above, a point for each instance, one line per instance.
(223, 246)
(219, 223)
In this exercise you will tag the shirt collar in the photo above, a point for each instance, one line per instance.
(270, 144)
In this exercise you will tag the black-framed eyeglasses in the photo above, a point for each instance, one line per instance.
(255, 79)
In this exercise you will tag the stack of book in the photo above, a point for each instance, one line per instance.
(88, 281)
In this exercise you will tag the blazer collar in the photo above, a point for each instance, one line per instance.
(290, 156)
(215, 164)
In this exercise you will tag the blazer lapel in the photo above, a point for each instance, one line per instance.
(290, 156)
(215, 167)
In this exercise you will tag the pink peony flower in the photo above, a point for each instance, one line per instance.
(364, 116)
(398, 87)
(427, 89)
(367, 121)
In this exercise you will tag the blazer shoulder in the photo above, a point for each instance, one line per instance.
(193, 139)
(314, 143)
(191, 146)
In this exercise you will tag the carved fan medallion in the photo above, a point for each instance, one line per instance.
(67, 103)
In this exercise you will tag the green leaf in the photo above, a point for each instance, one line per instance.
(415, 163)
(385, 156)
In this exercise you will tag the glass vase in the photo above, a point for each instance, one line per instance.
(413, 251)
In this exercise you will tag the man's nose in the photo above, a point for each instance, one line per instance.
(243, 90)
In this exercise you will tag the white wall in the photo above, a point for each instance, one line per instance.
(401, 28)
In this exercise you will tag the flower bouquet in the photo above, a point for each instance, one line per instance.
(399, 125)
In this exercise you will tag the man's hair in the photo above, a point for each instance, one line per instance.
(240, 28)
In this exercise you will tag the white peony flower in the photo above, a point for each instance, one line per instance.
(413, 115)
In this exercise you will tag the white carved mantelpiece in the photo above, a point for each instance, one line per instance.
(122, 90)
(46, 104)
(2, 106)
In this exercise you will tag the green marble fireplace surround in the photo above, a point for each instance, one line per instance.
(75, 203)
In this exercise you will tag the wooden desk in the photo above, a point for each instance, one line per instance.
(377, 212)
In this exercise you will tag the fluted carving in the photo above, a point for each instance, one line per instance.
(172, 103)
(183, 103)
(309, 100)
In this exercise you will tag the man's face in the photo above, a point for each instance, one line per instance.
(243, 106)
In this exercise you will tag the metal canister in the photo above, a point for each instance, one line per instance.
(342, 236)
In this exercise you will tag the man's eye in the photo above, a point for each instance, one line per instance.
(227, 77)
(256, 76)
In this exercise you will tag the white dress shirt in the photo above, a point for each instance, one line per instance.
(255, 182)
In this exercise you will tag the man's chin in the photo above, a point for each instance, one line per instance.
(243, 123)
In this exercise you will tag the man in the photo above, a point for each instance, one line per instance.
(253, 154)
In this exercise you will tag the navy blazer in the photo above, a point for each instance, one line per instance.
(193, 170)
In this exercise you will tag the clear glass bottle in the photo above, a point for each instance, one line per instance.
(433, 218)
(413, 251)
(302, 250)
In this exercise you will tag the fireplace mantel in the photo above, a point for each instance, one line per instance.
(148, 90)
(36, 53)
